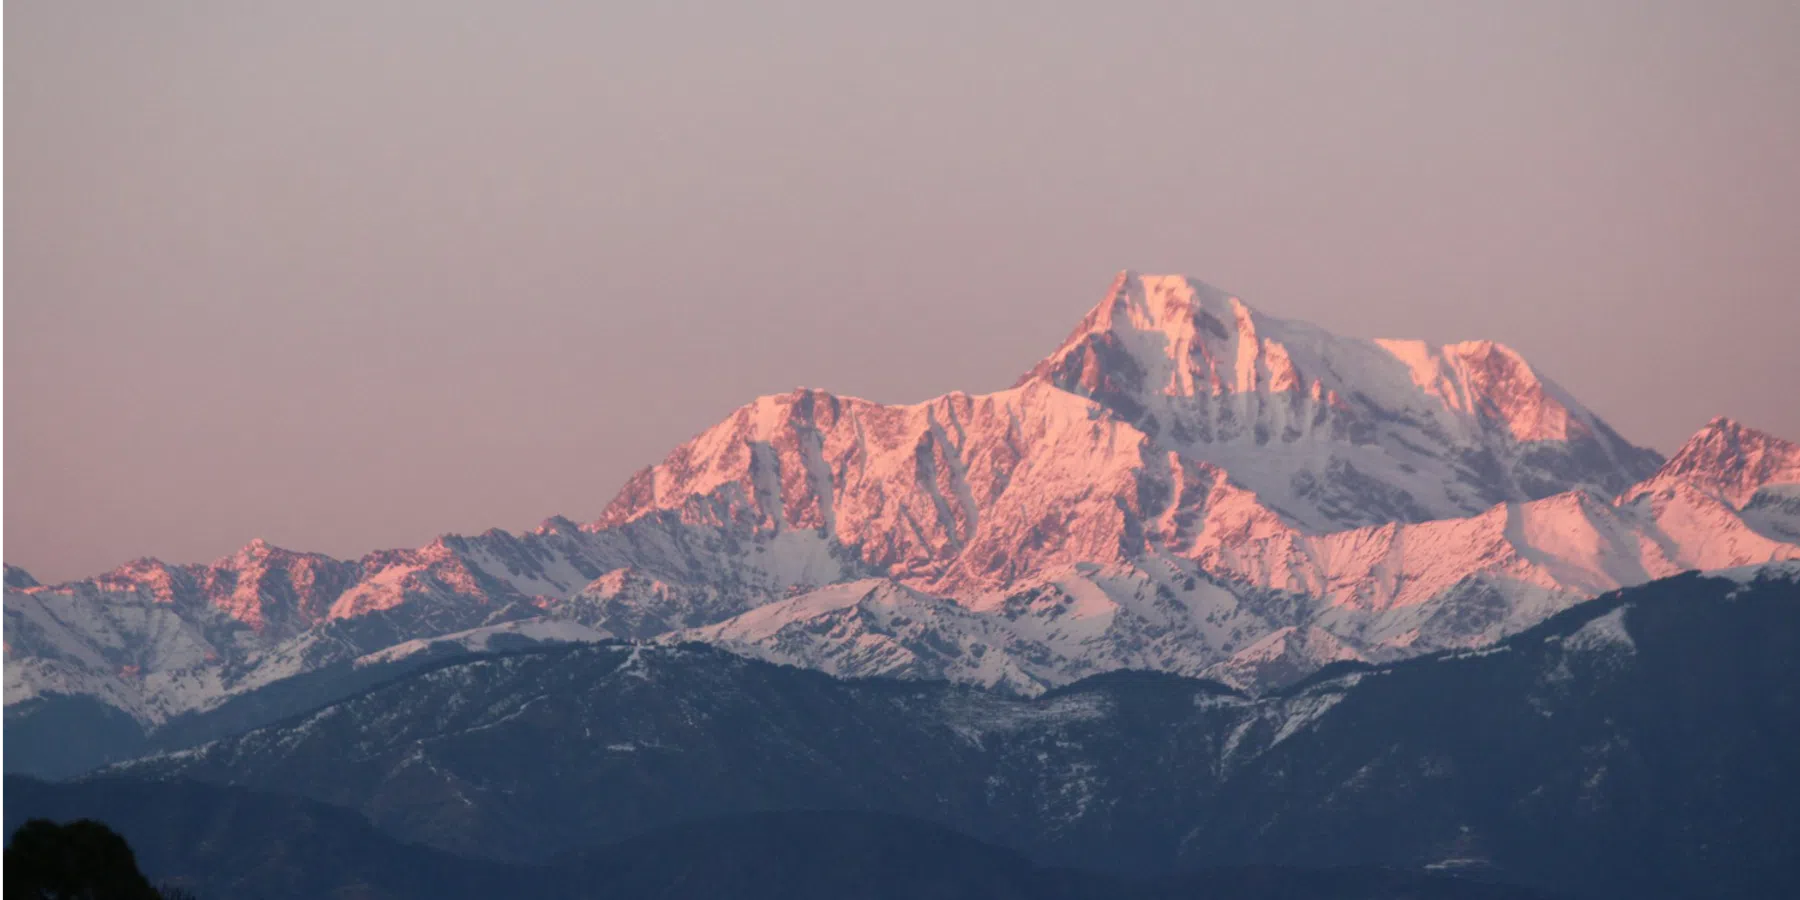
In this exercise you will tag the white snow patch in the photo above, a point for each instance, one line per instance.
(1607, 632)
(976, 717)
(1304, 710)
(538, 630)
(1477, 654)
(1785, 570)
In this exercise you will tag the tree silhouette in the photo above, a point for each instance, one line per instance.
(80, 860)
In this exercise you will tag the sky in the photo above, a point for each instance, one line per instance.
(348, 275)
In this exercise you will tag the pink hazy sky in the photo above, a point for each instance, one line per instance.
(347, 275)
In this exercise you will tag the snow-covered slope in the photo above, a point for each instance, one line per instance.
(1331, 431)
(1757, 475)
(1185, 485)
(1155, 613)
(1731, 462)
(157, 640)
(957, 493)
(1190, 573)
(1264, 611)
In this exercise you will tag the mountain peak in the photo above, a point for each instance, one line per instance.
(1724, 424)
(1334, 431)
(1327, 432)
(258, 548)
(1177, 336)
(558, 524)
(19, 578)
(1143, 322)
(1733, 460)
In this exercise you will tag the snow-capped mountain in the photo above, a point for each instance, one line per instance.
(1249, 600)
(1332, 432)
(1185, 485)
(1168, 386)
(1742, 468)
(157, 640)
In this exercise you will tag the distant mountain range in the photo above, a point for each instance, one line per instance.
(1185, 485)
(1209, 603)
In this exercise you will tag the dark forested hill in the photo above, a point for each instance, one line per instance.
(1642, 741)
